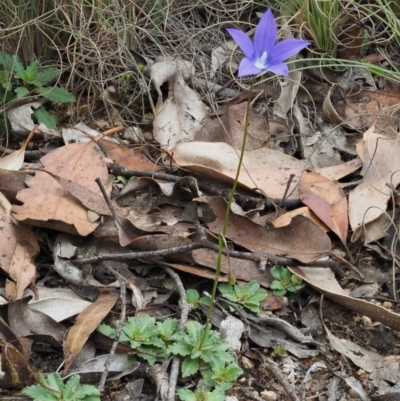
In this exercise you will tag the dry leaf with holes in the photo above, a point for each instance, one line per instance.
(47, 204)
(18, 248)
(182, 114)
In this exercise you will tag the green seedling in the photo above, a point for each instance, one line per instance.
(54, 389)
(145, 335)
(198, 354)
(280, 351)
(249, 296)
(185, 394)
(193, 298)
(17, 82)
(223, 378)
(285, 281)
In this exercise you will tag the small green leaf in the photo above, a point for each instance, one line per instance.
(29, 75)
(286, 276)
(252, 287)
(277, 285)
(4, 76)
(7, 86)
(276, 272)
(55, 94)
(190, 367)
(47, 74)
(167, 329)
(11, 63)
(43, 116)
(39, 393)
(70, 386)
(179, 348)
(55, 381)
(280, 351)
(85, 391)
(193, 297)
(21, 91)
(185, 394)
(279, 293)
(106, 330)
(228, 292)
(296, 280)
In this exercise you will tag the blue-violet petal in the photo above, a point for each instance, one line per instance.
(279, 69)
(266, 34)
(247, 67)
(243, 41)
(286, 49)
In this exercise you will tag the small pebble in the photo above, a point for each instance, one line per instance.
(246, 363)
(269, 395)
(231, 398)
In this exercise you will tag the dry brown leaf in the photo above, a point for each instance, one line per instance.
(301, 239)
(340, 170)
(25, 321)
(85, 324)
(15, 160)
(245, 270)
(128, 157)
(287, 217)
(266, 169)
(360, 109)
(381, 165)
(327, 200)
(324, 281)
(45, 203)
(18, 372)
(11, 182)
(18, 247)
(182, 114)
(229, 128)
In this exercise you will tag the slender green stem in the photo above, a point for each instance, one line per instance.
(221, 236)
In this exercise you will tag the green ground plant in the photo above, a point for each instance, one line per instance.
(17, 81)
(285, 282)
(156, 341)
(249, 295)
(54, 389)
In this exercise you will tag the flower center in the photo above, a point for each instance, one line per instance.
(260, 63)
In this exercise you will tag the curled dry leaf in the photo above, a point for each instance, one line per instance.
(381, 166)
(327, 200)
(182, 114)
(301, 239)
(24, 321)
(15, 160)
(324, 281)
(18, 372)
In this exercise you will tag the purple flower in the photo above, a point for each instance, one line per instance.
(265, 54)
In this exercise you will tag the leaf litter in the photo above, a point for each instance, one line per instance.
(319, 183)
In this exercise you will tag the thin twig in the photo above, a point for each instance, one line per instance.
(204, 185)
(185, 310)
(110, 358)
